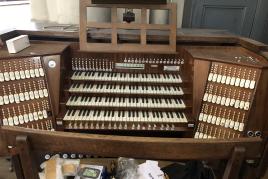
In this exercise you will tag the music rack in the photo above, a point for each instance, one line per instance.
(115, 26)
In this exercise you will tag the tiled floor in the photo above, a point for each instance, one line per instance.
(4, 170)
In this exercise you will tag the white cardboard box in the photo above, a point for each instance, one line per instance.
(18, 43)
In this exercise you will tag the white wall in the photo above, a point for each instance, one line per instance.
(67, 12)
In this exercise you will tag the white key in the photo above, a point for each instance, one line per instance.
(227, 101)
(223, 79)
(241, 127)
(16, 97)
(36, 94)
(247, 83)
(31, 94)
(40, 115)
(21, 95)
(231, 125)
(242, 105)
(16, 120)
(41, 93)
(22, 75)
(209, 118)
(36, 72)
(1, 100)
(12, 75)
(26, 118)
(35, 115)
(232, 81)
(218, 120)
(214, 98)
(10, 121)
(242, 83)
(45, 92)
(5, 122)
(6, 76)
(252, 84)
(41, 72)
(223, 99)
(26, 95)
(200, 118)
(32, 74)
(21, 119)
(227, 122)
(210, 76)
(31, 117)
(214, 78)
(6, 99)
(218, 101)
(213, 120)
(11, 98)
(27, 74)
(219, 78)
(247, 105)
(228, 80)
(205, 98)
(237, 81)
(2, 78)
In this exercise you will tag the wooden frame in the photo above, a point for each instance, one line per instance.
(25, 142)
(114, 46)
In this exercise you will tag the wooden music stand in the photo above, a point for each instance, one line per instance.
(114, 46)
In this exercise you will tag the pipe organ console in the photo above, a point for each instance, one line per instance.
(203, 91)
(128, 92)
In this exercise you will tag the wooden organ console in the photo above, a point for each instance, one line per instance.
(130, 91)
(199, 91)
(213, 86)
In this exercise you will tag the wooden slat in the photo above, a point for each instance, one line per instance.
(98, 47)
(137, 147)
(26, 158)
(83, 22)
(128, 26)
(143, 30)
(129, 6)
(234, 163)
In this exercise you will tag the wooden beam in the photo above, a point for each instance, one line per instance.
(26, 157)
(137, 147)
(234, 163)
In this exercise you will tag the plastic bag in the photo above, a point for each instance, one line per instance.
(127, 168)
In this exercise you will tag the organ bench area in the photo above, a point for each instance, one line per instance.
(201, 91)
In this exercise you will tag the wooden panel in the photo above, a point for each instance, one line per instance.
(144, 147)
(201, 70)
(234, 163)
(259, 112)
(236, 16)
(53, 78)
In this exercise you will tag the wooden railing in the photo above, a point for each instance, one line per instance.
(25, 142)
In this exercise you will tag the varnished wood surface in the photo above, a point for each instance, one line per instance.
(137, 147)
(226, 54)
(36, 49)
